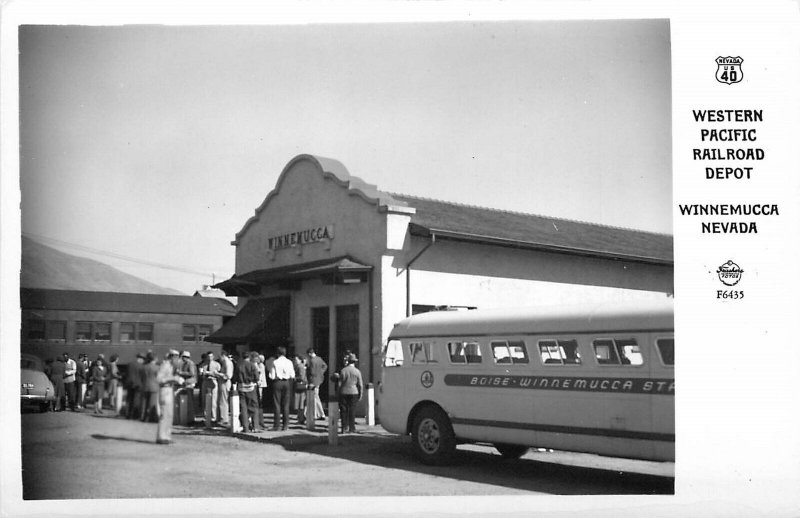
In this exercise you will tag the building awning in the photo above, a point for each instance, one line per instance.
(340, 270)
(259, 321)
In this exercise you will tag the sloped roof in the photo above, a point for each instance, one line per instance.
(491, 226)
(255, 322)
(307, 270)
(33, 298)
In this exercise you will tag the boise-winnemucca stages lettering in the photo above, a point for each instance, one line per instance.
(576, 383)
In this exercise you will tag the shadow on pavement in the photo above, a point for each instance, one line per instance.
(117, 438)
(394, 452)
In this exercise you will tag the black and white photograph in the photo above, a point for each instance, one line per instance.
(388, 264)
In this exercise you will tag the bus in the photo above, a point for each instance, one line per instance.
(595, 378)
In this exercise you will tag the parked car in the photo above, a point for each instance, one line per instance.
(36, 391)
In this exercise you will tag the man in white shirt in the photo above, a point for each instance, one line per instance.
(281, 373)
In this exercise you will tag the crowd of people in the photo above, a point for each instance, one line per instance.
(288, 387)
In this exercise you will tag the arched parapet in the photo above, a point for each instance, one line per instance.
(336, 172)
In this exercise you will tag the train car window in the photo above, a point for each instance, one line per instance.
(36, 329)
(189, 333)
(127, 332)
(422, 352)
(83, 331)
(393, 354)
(56, 331)
(666, 348)
(202, 332)
(559, 352)
(145, 332)
(102, 331)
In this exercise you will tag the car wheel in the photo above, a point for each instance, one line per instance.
(511, 451)
(432, 436)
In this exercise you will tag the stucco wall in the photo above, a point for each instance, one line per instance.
(304, 199)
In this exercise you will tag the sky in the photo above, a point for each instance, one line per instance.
(158, 142)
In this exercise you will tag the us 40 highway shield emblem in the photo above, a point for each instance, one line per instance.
(729, 69)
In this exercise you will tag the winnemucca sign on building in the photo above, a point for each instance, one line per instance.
(302, 237)
(395, 254)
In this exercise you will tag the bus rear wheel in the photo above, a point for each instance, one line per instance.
(432, 436)
(511, 451)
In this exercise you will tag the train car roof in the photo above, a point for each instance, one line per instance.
(594, 317)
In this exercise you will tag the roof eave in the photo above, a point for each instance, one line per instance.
(419, 230)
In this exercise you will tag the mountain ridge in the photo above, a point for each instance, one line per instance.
(45, 267)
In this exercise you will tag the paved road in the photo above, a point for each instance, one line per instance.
(69, 455)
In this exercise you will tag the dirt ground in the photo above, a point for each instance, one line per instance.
(70, 455)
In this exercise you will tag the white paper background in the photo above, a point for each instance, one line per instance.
(738, 432)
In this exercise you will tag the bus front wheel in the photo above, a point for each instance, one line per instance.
(432, 436)
(511, 451)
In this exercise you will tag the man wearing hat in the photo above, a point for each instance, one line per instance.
(188, 371)
(352, 387)
(168, 381)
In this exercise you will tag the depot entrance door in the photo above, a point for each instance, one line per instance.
(346, 337)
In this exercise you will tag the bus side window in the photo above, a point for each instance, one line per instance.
(549, 352)
(559, 352)
(569, 352)
(456, 352)
(393, 356)
(519, 354)
(629, 352)
(422, 352)
(666, 348)
(605, 353)
(500, 352)
(473, 352)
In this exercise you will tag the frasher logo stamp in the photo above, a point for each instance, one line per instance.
(729, 69)
(730, 274)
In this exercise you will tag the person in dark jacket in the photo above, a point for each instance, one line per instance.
(150, 388)
(81, 374)
(350, 392)
(98, 377)
(58, 371)
(133, 384)
(247, 383)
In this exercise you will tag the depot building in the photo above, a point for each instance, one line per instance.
(332, 262)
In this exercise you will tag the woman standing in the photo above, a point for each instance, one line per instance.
(98, 377)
